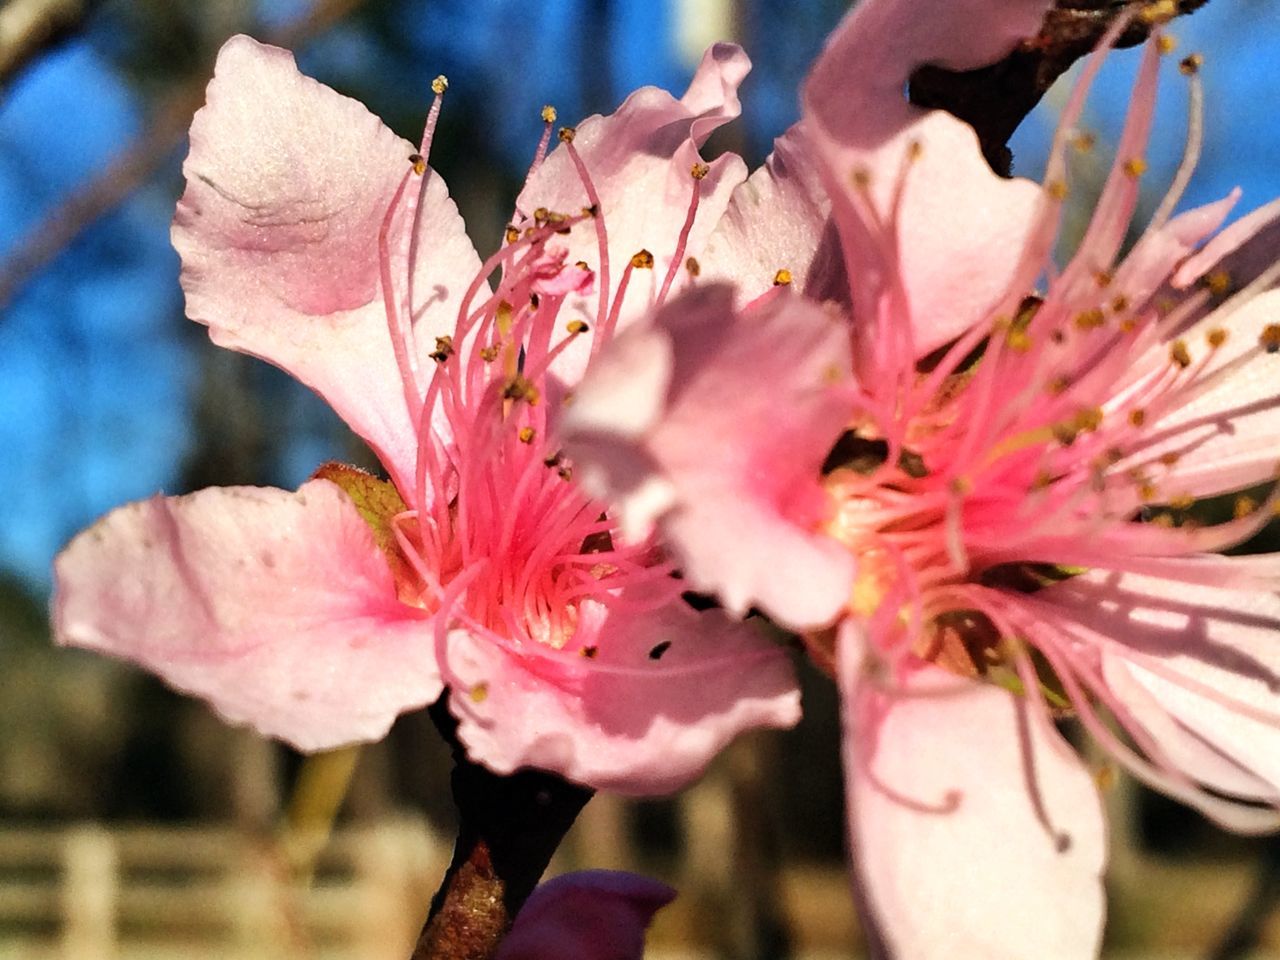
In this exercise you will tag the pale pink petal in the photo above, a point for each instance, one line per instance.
(662, 693)
(728, 462)
(276, 607)
(589, 915)
(975, 830)
(1158, 252)
(287, 187)
(1208, 656)
(639, 159)
(779, 219)
(1257, 225)
(955, 222)
(1225, 436)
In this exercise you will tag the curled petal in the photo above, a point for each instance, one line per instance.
(639, 707)
(640, 160)
(588, 915)
(916, 204)
(779, 219)
(727, 463)
(288, 184)
(975, 830)
(278, 608)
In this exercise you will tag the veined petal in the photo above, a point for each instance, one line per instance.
(1207, 655)
(640, 160)
(588, 915)
(288, 184)
(975, 830)
(1224, 437)
(641, 709)
(276, 607)
(728, 467)
(953, 221)
(779, 218)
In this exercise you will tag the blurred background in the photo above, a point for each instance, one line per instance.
(132, 823)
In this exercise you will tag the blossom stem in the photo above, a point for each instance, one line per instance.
(509, 827)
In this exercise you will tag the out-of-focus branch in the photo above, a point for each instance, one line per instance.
(28, 27)
(131, 168)
(995, 99)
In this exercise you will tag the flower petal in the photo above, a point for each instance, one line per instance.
(975, 830)
(639, 159)
(728, 466)
(1207, 656)
(287, 187)
(276, 607)
(919, 174)
(779, 218)
(640, 707)
(588, 915)
(1223, 437)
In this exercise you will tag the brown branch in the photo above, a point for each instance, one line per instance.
(509, 826)
(132, 167)
(995, 99)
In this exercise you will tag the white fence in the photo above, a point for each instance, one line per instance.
(88, 893)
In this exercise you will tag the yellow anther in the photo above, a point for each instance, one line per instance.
(1269, 339)
(548, 114)
(1057, 190)
(589, 653)
(782, 278)
(1128, 325)
(582, 265)
(961, 486)
(1090, 319)
(1179, 354)
(699, 171)
(576, 327)
(1146, 492)
(440, 84)
(642, 260)
(1218, 282)
(540, 215)
(489, 354)
(1135, 167)
(479, 693)
(1119, 303)
(915, 150)
(512, 234)
(1216, 337)
(1084, 140)
(1059, 384)
(443, 350)
(1163, 520)
(419, 163)
(861, 178)
(1018, 340)
(1103, 278)
(1166, 44)
(1137, 416)
(1191, 65)
(693, 266)
(520, 387)
(526, 434)
(1065, 433)
(567, 134)
(1243, 507)
(1170, 459)
(1160, 11)
(1090, 419)
(1182, 502)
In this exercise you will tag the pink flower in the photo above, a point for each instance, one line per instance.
(1006, 474)
(314, 238)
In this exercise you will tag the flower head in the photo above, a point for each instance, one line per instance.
(1004, 453)
(314, 238)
